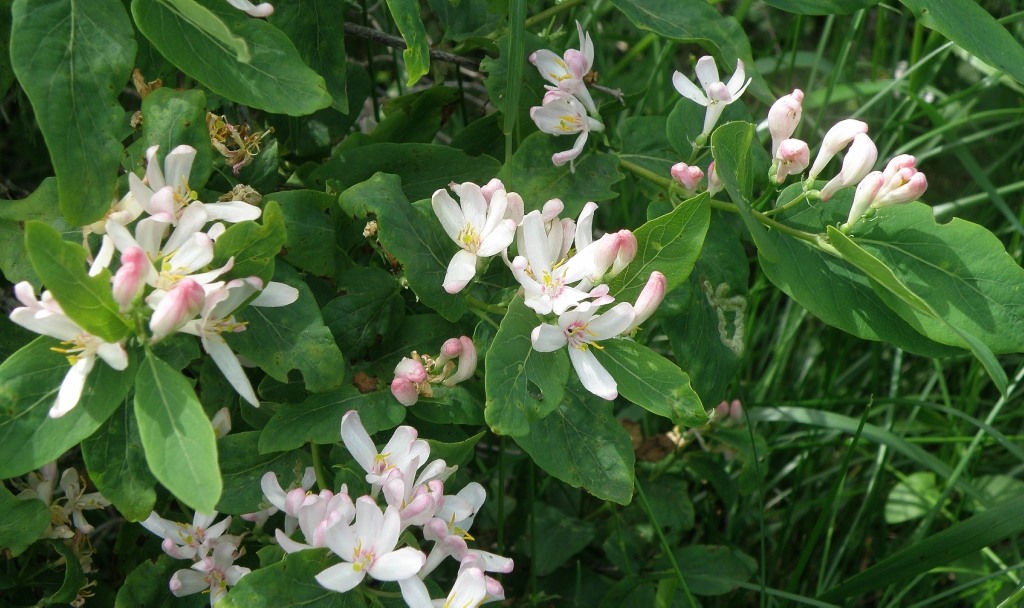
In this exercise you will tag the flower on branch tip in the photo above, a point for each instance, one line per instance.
(783, 118)
(562, 114)
(901, 182)
(648, 301)
(837, 138)
(687, 176)
(716, 95)
(580, 329)
(478, 226)
(567, 73)
(46, 317)
(857, 163)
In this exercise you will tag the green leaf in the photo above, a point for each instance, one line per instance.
(412, 235)
(651, 381)
(912, 498)
(320, 42)
(282, 338)
(369, 309)
(273, 79)
(831, 288)
(252, 245)
(29, 381)
(714, 570)
(23, 523)
(582, 444)
(972, 27)
(686, 122)
(175, 118)
(146, 586)
(821, 7)
(290, 582)
(964, 538)
(310, 242)
(450, 406)
(669, 244)
(731, 146)
(406, 14)
(41, 205)
(204, 20)
(644, 143)
(243, 466)
(86, 300)
(564, 536)
(522, 385)
(455, 454)
(423, 168)
(117, 465)
(176, 435)
(700, 23)
(74, 577)
(532, 174)
(71, 59)
(318, 419)
(913, 308)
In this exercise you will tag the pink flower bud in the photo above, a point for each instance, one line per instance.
(177, 307)
(467, 362)
(688, 177)
(858, 163)
(648, 300)
(411, 370)
(902, 161)
(909, 190)
(130, 277)
(841, 134)
(405, 391)
(714, 183)
(783, 118)
(793, 157)
(867, 190)
(627, 248)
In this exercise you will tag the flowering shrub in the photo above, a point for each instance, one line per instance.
(225, 304)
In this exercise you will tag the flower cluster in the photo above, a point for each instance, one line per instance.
(365, 535)
(213, 553)
(65, 497)
(164, 280)
(414, 375)
(567, 107)
(561, 269)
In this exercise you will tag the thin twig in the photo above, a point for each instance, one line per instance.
(398, 43)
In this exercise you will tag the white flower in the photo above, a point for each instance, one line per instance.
(315, 516)
(717, 95)
(381, 466)
(46, 317)
(548, 281)
(195, 541)
(278, 499)
(857, 164)
(580, 329)
(567, 72)
(214, 572)
(562, 114)
(477, 224)
(368, 547)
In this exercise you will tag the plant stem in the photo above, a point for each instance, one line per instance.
(552, 11)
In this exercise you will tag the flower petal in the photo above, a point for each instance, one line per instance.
(707, 71)
(71, 388)
(594, 377)
(687, 89)
(357, 440)
(228, 363)
(547, 338)
(341, 577)
(461, 271)
(448, 213)
(397, 565)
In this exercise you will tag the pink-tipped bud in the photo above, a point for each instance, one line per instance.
(792, 157)
(405, 391)
(648, 300)
(867, 191)
(551, 209)
(130, 278)
(411, 370)
(714, 182)
(626, 252)
(898, 163)
(179, 306)
(515, 208)
(467, 362)
(837, 138)
(909, 190)
(783, 118)
(686, 176)
(858, 163)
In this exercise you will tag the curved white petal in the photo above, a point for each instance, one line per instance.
(687, 89)
(551, 67)
(289, 545)
(397, 565)
(593, 376)
(113, 354)
(560, 158)
(474, 206)
(187, 582)
(613, 322)
(448, 213)
(414, 592)
(707, 71)
(357, 440)
(497, 239)
(228, 363)
(276, 294)
(71, 388)
(341, 577)
(461, 271)
(232, 211)
(547, 338)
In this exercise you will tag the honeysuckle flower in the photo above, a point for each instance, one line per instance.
(45, 316)
(130, 278)
(380, 466)
(580, 329)
(716, 95)
(566, 73)
(315, 516)
(783, 118)
(215, 573)
(195, 541)
(264, 9)
(867, 191)
(548, 281)
(177, 307)
(417, 496)
(856, 165)
(278, 499)
(648, 301)
(470, 590)
(467, 362)
(714, 182)
(841, 134)
(606, 257)
(77, 500)
(449, 529)
(368, 548)
(901, 182)
(562, 114)
(477, 225)
(791, 158)
(687, 176)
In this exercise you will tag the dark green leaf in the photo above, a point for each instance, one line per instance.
(406, 14)
(320, 41)
(290, 582)
(72, 58)
(523, 385)
(117, 465)
(243, 466)
(564, 537)
(176, 435)
(310, 239)
(146, 587)
(74, 577)
(42, 205)
(252, 245)
(714, 570)
(370, 309)
(23, 523)
(174, 118)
